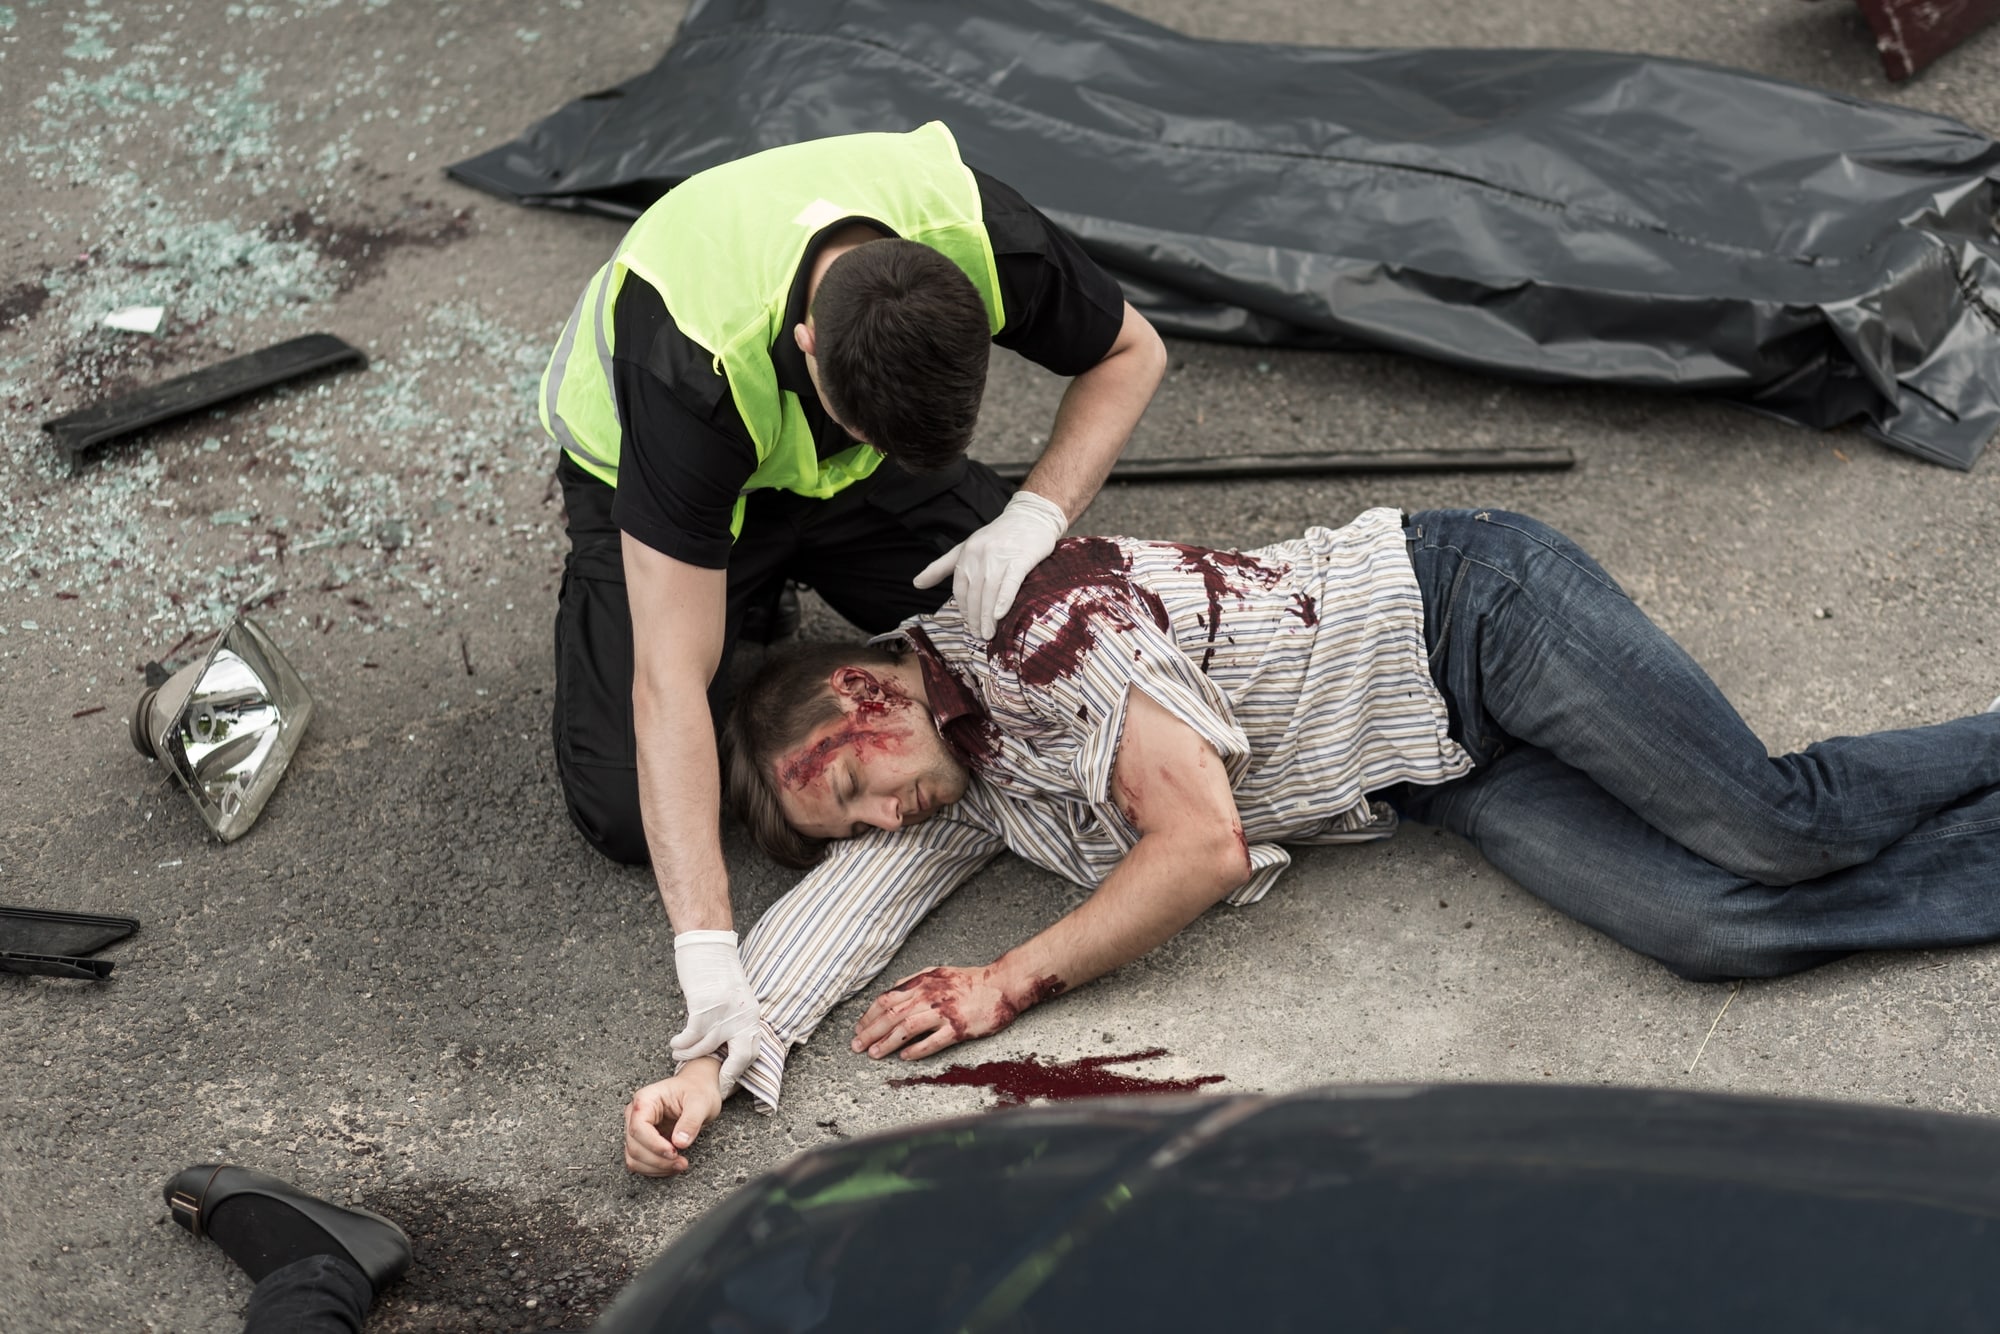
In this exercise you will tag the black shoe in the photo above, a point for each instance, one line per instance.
(773, 620)
(265, 1224)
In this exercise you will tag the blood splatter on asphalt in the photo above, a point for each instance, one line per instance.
(1016, 1082)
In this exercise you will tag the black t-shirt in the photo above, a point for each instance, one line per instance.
(685, 453)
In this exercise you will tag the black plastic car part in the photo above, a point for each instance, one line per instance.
(85, 428)
(1321, 463)
(52, 943)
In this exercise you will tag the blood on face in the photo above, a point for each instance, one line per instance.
(876, 726)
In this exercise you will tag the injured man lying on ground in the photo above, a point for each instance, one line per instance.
(1154, 721)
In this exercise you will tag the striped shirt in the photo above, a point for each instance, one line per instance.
(1302, 664)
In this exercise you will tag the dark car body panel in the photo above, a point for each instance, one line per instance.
(1391, 1208)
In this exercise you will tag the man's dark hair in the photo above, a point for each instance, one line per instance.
(903, 342)
(781, 706)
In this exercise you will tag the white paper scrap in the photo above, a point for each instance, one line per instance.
(136, 319)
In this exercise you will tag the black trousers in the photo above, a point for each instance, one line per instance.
(858, 550)
(321, 1294)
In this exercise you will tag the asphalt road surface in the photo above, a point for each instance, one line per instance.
(413, 986)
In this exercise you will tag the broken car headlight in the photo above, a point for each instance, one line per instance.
(226, 726)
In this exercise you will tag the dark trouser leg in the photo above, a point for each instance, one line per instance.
(592, 720)
(859, 549)
(1566, 840)
(1532, 642)
(322, 1294)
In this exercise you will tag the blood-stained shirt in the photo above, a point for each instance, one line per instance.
(1303, 664)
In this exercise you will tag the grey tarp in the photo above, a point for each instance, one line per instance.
(1551, 215)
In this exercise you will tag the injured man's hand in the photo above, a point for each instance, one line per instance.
(686, 1102)
(929, 1011)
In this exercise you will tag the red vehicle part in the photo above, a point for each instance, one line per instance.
(1910, 34)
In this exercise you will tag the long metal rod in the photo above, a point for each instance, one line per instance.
(1320, 463)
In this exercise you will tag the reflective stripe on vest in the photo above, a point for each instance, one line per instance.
(556, 378)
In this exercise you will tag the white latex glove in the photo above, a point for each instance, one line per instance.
(988, 567)
(721, 1007)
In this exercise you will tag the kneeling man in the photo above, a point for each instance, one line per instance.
(1154, 720)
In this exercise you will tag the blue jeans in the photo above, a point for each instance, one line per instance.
(1613, 780)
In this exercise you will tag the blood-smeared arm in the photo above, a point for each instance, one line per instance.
(1174, 789)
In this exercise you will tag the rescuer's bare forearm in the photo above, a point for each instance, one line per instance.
(1098, 413)
(680, 799)
(677, 628)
